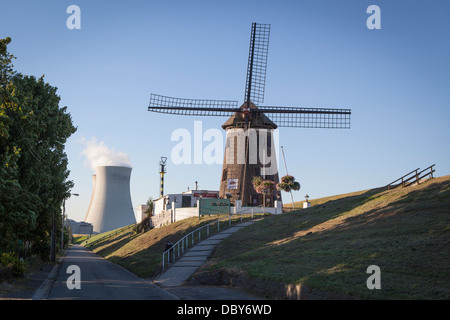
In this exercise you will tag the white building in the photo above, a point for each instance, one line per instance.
(186, 199)
(80, 227)
(177, 206)
(141, 212)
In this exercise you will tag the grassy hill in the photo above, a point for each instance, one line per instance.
(322, 251)
(141, 253)
(328, 247)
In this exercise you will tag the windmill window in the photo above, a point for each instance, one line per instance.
(224, 175)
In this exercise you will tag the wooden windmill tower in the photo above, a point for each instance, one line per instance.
(250, 127)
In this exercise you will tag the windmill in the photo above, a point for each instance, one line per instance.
(250, 127)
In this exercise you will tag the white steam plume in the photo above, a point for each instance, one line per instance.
(98, 154)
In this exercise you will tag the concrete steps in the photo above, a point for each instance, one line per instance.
(196, 256)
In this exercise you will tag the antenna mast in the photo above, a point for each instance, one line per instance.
(162, 171)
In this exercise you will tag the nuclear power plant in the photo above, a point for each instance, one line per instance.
(110, 207)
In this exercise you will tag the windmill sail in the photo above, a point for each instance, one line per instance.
(192, 107)
(236, 174)
(257, 63)
(294, 117)
(308, 117)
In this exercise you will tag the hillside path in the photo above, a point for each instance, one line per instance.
(174, 278)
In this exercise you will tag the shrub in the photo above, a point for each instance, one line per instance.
(11, 260)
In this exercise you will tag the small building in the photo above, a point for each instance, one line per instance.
(141, 212)
(187, 199)
(80, 227)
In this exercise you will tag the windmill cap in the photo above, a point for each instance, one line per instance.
(256, 120)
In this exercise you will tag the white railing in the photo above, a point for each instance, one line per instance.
(177, 250)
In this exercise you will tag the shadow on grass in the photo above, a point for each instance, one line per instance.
(405, 234)
(142, 253)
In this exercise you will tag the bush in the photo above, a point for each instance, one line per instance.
(11, 260)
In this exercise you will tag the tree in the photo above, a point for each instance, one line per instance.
(145, 224)
(264, 187)
(33, 172)
(149, 203)
(16, 218)
(288, 184)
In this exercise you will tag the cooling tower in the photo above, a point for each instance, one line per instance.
(111, 206)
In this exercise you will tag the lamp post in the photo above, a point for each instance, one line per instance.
(306, 204)
(63, 217)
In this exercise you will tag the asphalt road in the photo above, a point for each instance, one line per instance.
(101, 279)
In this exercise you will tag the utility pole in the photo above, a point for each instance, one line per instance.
(53, 240)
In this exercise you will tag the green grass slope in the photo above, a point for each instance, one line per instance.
(328, 247)
(142, 253)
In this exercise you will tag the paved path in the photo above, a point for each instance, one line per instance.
(183, 268)
(102, 279)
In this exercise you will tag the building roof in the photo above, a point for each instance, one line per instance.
(259, 120)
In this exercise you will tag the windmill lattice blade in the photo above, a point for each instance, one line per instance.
(308, 117)
(192, 107)
(257, 63)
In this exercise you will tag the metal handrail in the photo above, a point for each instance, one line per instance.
(177, 250)
(88, 243)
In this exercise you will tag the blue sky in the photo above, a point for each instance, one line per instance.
(396, 81)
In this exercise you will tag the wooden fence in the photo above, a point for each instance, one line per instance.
(412, 177)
